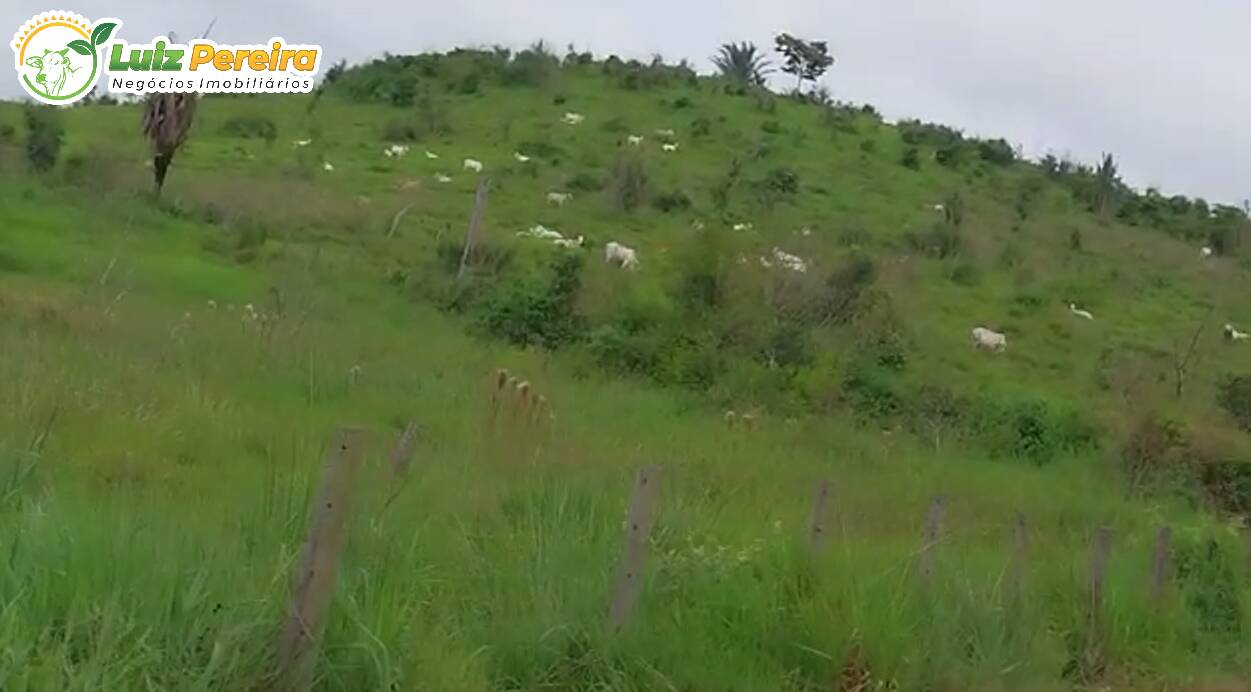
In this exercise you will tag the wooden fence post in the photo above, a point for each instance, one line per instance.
(1160, 564)
(818, 523)
(471, 234)
(402, 453)
(1016, 565)
(638, 527)
(1100, 547)
(318, 567)
(933, 532)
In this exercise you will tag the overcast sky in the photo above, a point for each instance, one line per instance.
(1162, 85)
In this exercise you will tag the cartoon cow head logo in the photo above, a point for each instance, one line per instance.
(58, 55)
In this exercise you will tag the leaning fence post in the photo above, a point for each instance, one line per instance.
(933, 532)
(402, 453)
(638, 527)
(1160, 563)
(818, 523)
(471, 234)
(318, 567)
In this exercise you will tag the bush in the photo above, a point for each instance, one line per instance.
(403, 91)
(1033, 430)
(682, 102)
(669, 202)
(940, 242)
(8, 133)
(544, 315)
(996, 151)
(1154, 448)
(868, 146)
(701, 127)
(771, 127)
(1210, 588)
(584, 182)
(629, 182)
(251, 126)
(911, 159)
(44, 136)
(966, 274)
(1234, 396)
(400, 131)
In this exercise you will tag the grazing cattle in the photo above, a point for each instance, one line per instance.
(1084, 314)
(54, 69)
(697, 224)
(669, 146)
(989, 340)
(569, 243)
(431, 155)
(327, 166)
(301, 143)
(742, 226)
(665, 133)
(939, 207)
(573, 118)
(634, 140)
(439, 177)
(805, 231)
(521, 158)
(791, 262)
(541, 232)
(1205, 252)
(559, 198)
(1232, 334)
(620, 255)
(473, 165)
(395, 151)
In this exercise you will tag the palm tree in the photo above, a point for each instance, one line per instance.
(742, 63)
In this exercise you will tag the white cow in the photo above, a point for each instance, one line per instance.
(984, 338)
(559, 198)
(634, 140)
(665, 133)
(431, 155)
(521, 158)
(669, 146)
(791, 262)
(1084, 314)
(395, 151)
(473, 165)
(301, 143)
(1235, 335)
(570, 243)
(541, 232)
(54, 69)
(1206, 252)
(620, 255)
(573, 118)
(439, 177)
(742, 226)
(327, 166)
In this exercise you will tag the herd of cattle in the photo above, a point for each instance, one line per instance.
(620, 255)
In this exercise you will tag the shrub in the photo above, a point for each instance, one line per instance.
(701, 127)
(948, 156)
(771, 127)
(868, 146)
(399, 131)
(966, 274)
(8, 133)
(584, 182)
(940, 242)
(778, 184)
(1234, 396)
(911, 159)
(403, 91)
(251, 126)
(1152, 449)
(682, 102)
(1033, 430)
(44, 135)
(629, 182)
(533, 67)
(1210, 588)
(543, 315)
(996, 151)
(669, 202)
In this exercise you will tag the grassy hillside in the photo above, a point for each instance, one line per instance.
(158, 446)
